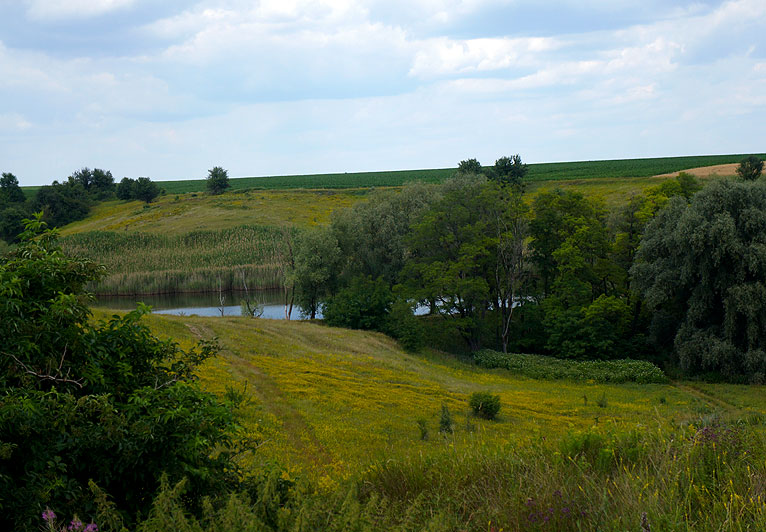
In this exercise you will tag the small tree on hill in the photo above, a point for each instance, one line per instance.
(145, 189)
(10, 191)
(469, 166)
(509, 170)
(750, 168)
(217, 180)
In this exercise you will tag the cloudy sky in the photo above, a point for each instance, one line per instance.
(169, 89)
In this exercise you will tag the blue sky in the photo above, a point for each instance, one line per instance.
(169, 89)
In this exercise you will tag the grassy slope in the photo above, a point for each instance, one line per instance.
(330, 401)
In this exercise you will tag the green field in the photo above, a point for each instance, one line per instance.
(562, 171)
(342, 408)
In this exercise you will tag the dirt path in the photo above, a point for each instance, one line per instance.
(720, 404)
(300, 435)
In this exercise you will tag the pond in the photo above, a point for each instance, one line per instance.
(203, 304)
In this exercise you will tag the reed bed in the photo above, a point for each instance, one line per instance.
(149, 263)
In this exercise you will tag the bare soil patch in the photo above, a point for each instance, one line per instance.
(708, 171)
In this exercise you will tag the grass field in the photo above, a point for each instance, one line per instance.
(340, 408)
(332, 400)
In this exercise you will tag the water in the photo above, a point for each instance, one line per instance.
(203, 304)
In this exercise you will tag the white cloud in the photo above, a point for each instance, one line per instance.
(65, 9)
(13, 122)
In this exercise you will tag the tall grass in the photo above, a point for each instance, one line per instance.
(701, 478)
(143, 263)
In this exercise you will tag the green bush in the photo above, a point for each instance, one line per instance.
(106, 402)
(485, 405)
(363, 304)
(549, 368)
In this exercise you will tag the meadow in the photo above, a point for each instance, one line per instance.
(352, 417)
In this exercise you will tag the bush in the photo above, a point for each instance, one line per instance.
(485, 405)
(106, 402)
(549, 368)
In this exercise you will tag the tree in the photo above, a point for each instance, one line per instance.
(451, 250)
(701, 268)
(750, 168)
(217, 180)
(62, 203)
(145, 189)
(126, 189)
(469, 166)
(509, 170)
(10, 191)
(372, 234)
(106, 402)
(317, 259)
(98, 183)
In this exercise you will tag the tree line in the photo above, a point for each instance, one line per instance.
(672, 276)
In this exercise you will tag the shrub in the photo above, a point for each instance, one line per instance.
(549, 368)
(364, 304)
(217, 180)
(485, 405)
(445, 421)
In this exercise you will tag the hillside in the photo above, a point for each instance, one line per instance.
(331, 401)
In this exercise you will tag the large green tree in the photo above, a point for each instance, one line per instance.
(106, 402)
(316, 265)
(452, 253)
(701, 268)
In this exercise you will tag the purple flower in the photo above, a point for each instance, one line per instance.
(75, 525)
(48, 515)
(91, 528)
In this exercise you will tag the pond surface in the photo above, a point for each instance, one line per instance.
(203, 304)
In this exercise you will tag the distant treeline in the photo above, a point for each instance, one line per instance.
(65, 202)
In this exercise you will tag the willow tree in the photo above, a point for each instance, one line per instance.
(701, 268)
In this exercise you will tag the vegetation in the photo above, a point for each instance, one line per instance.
(549, 368)
(701, 269)
(143, 189)
(145, 263)
(484, 404)
(94, 408)
(537, 172)
(217, 180)
(750, 168)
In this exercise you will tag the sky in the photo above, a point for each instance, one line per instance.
(171, 89)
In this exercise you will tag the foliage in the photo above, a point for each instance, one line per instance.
(62, 203)
(84, 401)
(750, 168)
(145, 189)
(484, 404)
(125, 189)
(703, 265)
(549, 368)
(509, 170)
(10, 191)
(469, 166)
(451, 255)
(446, 425)
(217, 180)
(317, 260)
(97, 183)
(363, 304)
(372, 234)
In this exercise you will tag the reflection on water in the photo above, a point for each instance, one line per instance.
(203, 304)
